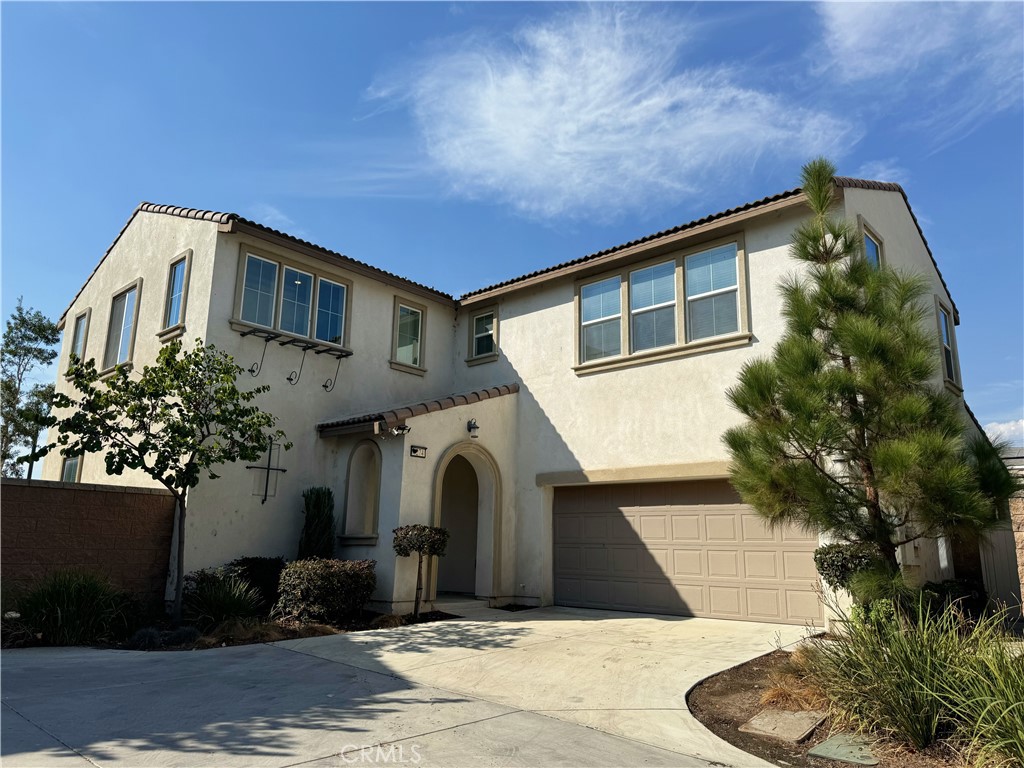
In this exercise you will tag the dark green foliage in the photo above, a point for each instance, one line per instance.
(76, 608)
(145, 639)
(213, 596)
(182, 636)
(28, 342)
(263, 573)
(847, 430)
(328, 591)
(969, 596)
(837, 563)
(424, 541)
(318, 534)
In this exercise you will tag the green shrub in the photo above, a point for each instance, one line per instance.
(885, 670)
(145, 639)
(216, 595)
(838, 563)
(263, 573)
(181, 636)
(330, 591)
(76, 608)
(318, 534)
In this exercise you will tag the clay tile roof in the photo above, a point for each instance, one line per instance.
(844, 182)
(400, 413)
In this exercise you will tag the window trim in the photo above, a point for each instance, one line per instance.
(176, 329)
(345, 312)
(419, 370)
(709, 294)
(580, 325)
(682, 347)
(246, 253)
(86, 317)
(137, 285)
(78, 468)
(280, 301)
(634, 312)
(951, 382)
(471, 337)
(246, 248)
(866, 230)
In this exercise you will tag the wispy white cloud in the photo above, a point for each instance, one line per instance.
(883, 170)
(1010, 431)
(590, 113)
(272, 216)
(953, 64)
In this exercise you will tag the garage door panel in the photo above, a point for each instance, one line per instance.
(680, 548)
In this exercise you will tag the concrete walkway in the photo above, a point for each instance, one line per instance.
(545, 687)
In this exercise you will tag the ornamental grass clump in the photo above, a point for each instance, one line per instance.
(216, 595)
(76, 608)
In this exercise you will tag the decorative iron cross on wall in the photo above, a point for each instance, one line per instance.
(268, 469)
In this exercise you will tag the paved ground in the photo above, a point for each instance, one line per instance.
(546, 687)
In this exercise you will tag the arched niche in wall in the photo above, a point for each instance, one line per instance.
(362, 491)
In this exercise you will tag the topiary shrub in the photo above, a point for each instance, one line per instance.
(263, 573)
(216, 595)
(317, 539)
(76, 608)
(425, 541)
(319, 590)
(839, 563)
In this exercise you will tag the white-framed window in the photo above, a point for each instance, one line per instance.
(872, 251)
(950, 369)
(259, 294)
(652, 306)
(79, 335)
(330, 311)
(69, 471)
(408, 335)
(296, 301)
(121, 331)
(712, 293)
(483, 334)
(177, 280)
(600, 319)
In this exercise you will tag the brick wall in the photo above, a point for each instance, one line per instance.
(121, 533)
(1017, 519)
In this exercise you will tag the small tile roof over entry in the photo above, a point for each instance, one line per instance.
(397, 415)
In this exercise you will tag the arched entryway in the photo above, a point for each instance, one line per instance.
(467, 497)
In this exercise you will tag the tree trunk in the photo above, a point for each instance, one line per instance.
(179, 562)
(419, 585)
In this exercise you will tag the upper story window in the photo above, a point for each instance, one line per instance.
(600, 319)
(686, 301)
(260, 292)
(652, 306)
(79, 335)
(483, 336)
(407, 339)
(177, 295)
(70, 470)
(950, 369)
(296, 301)
(712, 293)
(121, 331)
(872, 251)
(330, 311)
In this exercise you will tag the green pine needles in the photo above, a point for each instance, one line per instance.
(847, 430)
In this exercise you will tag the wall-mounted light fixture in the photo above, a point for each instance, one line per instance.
(401, 429)
(382, 429)
(472, 427)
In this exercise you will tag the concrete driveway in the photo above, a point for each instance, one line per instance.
(545, 687)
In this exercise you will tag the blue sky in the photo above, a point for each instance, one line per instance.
(462, 144)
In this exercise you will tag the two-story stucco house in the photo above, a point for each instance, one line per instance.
(565, 425)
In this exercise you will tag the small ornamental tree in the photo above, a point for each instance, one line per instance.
(425, 542)
(175, 421)
(847, 431)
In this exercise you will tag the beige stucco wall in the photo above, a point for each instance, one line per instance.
(145, 250)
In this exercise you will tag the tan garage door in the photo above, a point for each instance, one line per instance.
(689, 549)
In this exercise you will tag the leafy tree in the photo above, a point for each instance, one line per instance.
(175, 421)
(28, 342)
(846, 431)
(425, 541)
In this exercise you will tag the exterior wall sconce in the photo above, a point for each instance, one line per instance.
(472, 427)
(399, 430)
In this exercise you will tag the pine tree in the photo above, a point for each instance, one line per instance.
(847, 431)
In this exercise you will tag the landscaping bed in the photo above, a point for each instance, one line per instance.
(726, 701)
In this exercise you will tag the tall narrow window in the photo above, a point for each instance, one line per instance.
(78, 336)
(407, 345)
(948, 355)
(600, 320)
(483, 334)
(69, 472)
(872, 251)
(652, 306)
(330, 312)
(260, 292)
(712, 293)
(296, 300)
(174, 309)
(120, 331)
